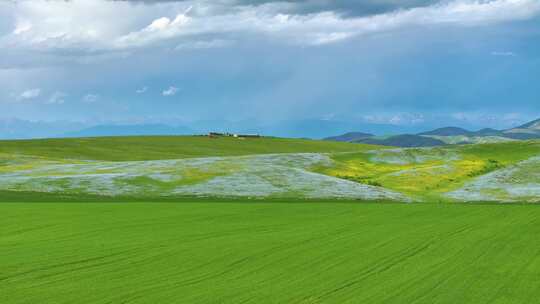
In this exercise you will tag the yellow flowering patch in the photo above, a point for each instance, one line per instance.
(428, 178)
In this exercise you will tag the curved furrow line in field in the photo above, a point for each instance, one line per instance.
(383, 265)
(91, 260)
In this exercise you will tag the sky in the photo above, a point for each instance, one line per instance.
(399, 62)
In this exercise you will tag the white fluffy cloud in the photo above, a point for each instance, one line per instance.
(30, 94)
(507, 119)
(90, 98)
(396, 119)
(57, 25)
(171, 91)
(57, 98)
(141, 90)
(503, 54)
(119, 25)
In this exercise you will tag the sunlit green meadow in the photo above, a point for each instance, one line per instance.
(205, 220)
(277, 252)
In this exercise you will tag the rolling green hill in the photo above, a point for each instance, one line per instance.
(435, 173)
(268, 220)
(134, 148)
(226, 167)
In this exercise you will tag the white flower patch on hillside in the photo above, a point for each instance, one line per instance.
(278, 180)
(520, 182)
(272, 175)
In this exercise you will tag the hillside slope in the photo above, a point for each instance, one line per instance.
(133, 148)
(533, 125)
(148, 167)
(350, 137)
(447, 131)
(530, 130)
(406, 141)
(437, 173)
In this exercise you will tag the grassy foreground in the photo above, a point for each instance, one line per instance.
(268, 253)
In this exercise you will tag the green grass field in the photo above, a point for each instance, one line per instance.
(248, 252)
(138, 148)
(203, 220)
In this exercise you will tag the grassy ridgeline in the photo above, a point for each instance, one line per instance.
(268, 253)
(132, 148)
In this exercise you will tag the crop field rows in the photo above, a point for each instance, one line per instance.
(268, 253)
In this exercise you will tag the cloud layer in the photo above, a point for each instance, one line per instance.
(67, 27)
(383, 61)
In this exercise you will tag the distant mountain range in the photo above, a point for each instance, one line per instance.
(373, 133)
(13, 128)
(455, 131)
(405, 140)
(301, 128)
(350, 137)
(445, 136)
